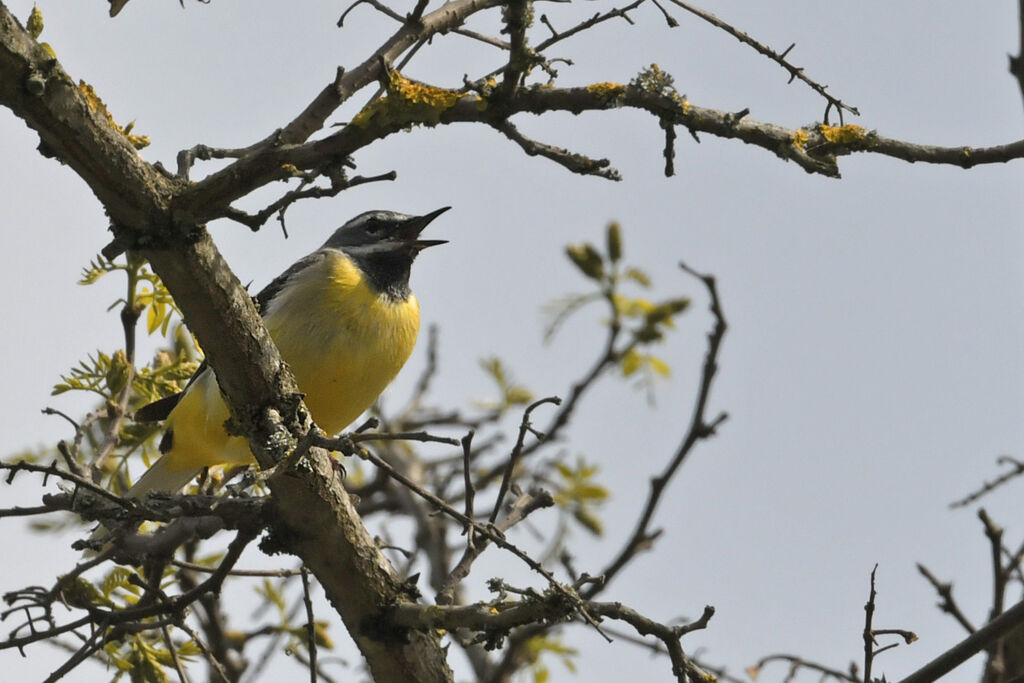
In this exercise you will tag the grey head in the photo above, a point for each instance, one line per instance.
(383, 244)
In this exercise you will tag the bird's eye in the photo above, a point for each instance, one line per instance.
(374, 225)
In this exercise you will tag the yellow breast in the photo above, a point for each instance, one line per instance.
(343, 342)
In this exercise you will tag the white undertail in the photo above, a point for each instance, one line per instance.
(156, 478)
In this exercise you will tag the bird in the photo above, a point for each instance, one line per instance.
(344, 320)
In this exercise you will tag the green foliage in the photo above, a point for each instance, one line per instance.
(579, 494)
(273, 594)
(511, 394)
(643, 319)
(88, 375)
(144, 658)
(145, 291)
(118, 583)
(107, 375)
(538, 646)
(81, 593)
(167, 374)
(121, 386)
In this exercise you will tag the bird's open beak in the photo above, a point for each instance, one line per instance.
(410, 231)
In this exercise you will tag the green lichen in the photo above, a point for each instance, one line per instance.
(408, 102)
(654, 80)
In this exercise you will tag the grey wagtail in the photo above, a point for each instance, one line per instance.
(345, 321)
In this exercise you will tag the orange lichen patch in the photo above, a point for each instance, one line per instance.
(799, 138)
(97, 106)
(843, 135)
(421, 93)
(408, 102)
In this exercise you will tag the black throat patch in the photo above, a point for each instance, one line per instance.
(387, 273)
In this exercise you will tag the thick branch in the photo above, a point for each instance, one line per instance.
(815, 148)
(36, 88)
(325, 531)
(969, 646)
(211, 196)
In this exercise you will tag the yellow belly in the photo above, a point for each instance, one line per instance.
(343, 342)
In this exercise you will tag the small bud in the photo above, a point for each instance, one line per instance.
(35, 22)
(614, 241)
(117, 375)
(665, 311)
(646, 335)
(587, 259)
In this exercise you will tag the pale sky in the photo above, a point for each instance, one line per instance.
(873, 369)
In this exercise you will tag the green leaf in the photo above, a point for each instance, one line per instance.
(630, 362)
(638, 276)
(587, 259)
(659, 366)
(559, 311)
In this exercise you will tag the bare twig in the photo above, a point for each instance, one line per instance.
(616, 13)
(948, 604)
(795, 662)
(577, 163)
(1017, 63)
(52, 470)
(467, 450)
(344, 445)
(868, 635)
(339, 183)
(423, 437)
(426, 377)
(130, 313)
(994, 534)
(517, 452)
(175, 660)
(255, 573)
(105, 618)
(524, 505)
(310, 625)
(1016, 470)
(538, 609)
(700, 428)
(794, 71)
(215, 665)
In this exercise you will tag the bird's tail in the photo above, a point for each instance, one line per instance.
(156, 478)
(159, 478)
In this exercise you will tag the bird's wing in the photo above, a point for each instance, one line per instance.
(270, 291)
(159, 410)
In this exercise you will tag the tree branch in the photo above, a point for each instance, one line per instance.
(969, 646)
(700, 428)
